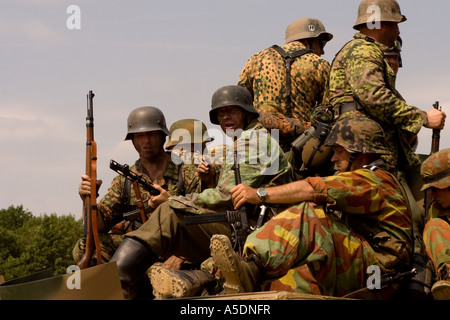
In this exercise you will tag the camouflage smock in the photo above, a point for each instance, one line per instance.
(310, 248)
(264, 75)
(261, 163)
(111, 206)
(360, 72)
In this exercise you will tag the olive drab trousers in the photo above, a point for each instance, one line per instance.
(166, 234)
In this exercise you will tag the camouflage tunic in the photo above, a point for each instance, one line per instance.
(361, 73)
(261, 162)
(310, 249)
(264, 75)
(112, 206)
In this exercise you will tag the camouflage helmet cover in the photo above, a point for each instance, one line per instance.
(197, 132)
(145, 119)
(359, 135)
(306, 28)
(232, 95)
(370, 11)
(435, 170)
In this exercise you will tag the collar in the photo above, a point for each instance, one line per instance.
(360, 36)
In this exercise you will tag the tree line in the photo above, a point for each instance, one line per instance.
(29, 244)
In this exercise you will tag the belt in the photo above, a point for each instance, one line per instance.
(346, 107)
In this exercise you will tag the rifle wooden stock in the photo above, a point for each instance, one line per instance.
(90, 201)
(140, 204)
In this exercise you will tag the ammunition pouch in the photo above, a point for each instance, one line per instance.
(297, 144)
(309, 154)
(390, 252)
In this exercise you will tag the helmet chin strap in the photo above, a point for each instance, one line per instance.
(350, 161)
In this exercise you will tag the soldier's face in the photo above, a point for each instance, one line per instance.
(341, 158)
(148, 144)
(442, 197)
(389, 33)
(318, 47)
(231, 118)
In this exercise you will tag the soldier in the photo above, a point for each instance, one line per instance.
(165, 233)
(285, 91)
(436, 174)
(340, 227)
(147, 131)
(188, 140)
(362, 83)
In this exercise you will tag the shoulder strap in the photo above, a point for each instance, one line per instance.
(289, 59)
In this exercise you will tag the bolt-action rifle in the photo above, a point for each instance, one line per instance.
(238, 219)
(90, 201)
(434, 148)
(385, 281)
(125, 171)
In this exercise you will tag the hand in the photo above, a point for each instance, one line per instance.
(436, 119)
(84, 188)
(207, 172)
(242, 194)
(155, 201)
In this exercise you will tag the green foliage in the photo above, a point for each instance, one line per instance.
(29, 244)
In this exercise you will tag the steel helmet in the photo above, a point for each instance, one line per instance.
(370, 11)
(232, 95)
(359, 135)
(306, 28)
(196, 129)
(145, 119)
(435, 170)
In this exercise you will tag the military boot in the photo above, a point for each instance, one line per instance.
(240, 275)
(441, 289)
(133, 258)
(168, 283)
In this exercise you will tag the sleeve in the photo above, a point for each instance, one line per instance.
(111, 198)
(355, 192)
(366, 70)
(246, 76)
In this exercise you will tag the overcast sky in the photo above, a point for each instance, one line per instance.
(169, 54)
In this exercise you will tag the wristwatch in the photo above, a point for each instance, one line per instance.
(262, 194)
